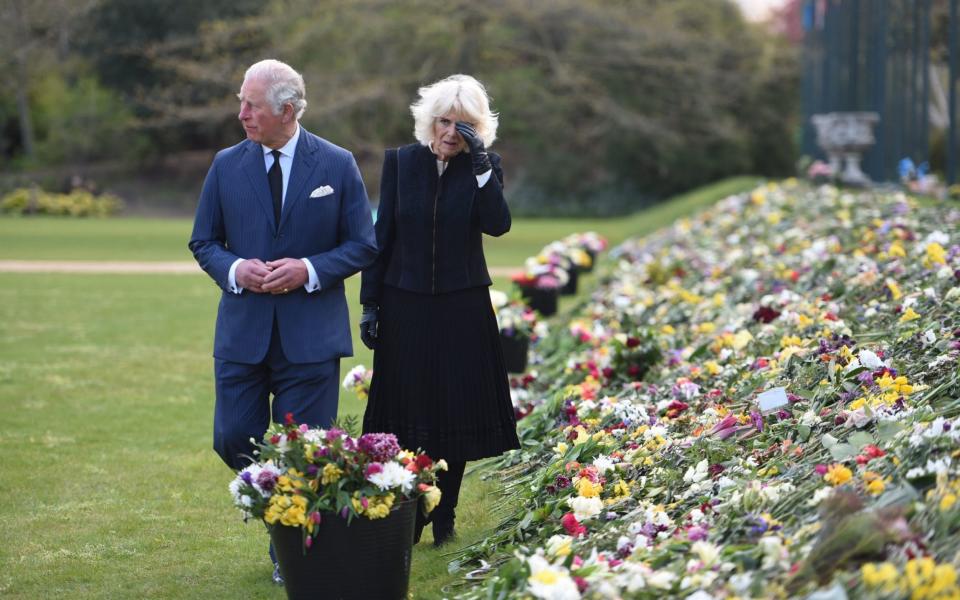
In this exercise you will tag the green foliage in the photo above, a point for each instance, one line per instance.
(78, 203)
(80, 121)
(605, 107)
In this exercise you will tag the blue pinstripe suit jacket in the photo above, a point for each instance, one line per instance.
(334, 232)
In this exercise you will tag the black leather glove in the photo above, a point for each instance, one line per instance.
(481, 162)
(368, 326)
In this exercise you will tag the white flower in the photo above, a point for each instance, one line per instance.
(869, 360)
(698, 473)
(550, 582)
(603, 464)
(819, 496)
(706, 552)
(391, 476)
(700, 595)
(584, 508)
(355, 375)
(809, 418)
(559, 545)
(498, 298)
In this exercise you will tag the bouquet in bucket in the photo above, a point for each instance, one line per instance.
(358, 381)
(304, 475)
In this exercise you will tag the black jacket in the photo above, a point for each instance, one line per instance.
(429, 228)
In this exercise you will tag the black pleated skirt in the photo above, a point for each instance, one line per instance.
(439, 380)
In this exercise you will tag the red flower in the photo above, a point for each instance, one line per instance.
(572, 525)
(288, 418)
(424, 461)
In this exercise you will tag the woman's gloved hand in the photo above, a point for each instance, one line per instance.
(368, 326)
(481, 162)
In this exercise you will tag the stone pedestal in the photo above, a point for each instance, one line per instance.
(845, 136)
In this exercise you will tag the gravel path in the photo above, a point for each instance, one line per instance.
(133, 267)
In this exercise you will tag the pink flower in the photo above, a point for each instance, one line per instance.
(572, 525)
(372, 469)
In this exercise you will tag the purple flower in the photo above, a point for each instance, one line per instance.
(266, 480)
(757, 419)
(562, 481)
(246, 477)
(381, 447)
(697, 532)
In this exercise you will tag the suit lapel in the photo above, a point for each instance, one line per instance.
(305, 161)
(256, 170)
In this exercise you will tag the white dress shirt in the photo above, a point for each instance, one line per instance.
(286, 165)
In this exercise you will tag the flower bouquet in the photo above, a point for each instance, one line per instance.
(539, 285)
(327, 497)
(358, 381)
(518, 328)
(589, 242)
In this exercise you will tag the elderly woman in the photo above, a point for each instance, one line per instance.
(439, 381)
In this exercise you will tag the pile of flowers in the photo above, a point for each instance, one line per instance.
(760, 401)
(358, 381)
(304, 475)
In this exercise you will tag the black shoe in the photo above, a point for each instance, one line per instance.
(277, 577)
(443, 532)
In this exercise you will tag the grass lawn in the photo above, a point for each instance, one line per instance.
(110, 487)
(53, 238)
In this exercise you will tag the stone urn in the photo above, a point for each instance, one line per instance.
(845, 136)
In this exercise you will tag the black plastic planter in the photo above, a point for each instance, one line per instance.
(367, 559)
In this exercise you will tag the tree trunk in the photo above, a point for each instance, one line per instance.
(23, 110)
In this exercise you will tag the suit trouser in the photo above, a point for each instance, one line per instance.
(308, 390)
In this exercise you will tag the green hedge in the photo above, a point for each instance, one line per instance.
(78, 203)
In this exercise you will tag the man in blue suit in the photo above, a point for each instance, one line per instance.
(283, 219)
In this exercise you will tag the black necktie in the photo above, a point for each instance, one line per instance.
(275, 177)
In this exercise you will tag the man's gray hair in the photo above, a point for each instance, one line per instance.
(284, 85)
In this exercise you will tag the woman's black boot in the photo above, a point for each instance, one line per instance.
(444, 515)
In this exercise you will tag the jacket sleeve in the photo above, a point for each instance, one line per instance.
(372, 277)
(208, 242)
(357, 246)
(492, 209)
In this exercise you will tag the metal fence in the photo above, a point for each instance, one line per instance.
(875, 55)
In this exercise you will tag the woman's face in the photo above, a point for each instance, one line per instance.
(447, 143)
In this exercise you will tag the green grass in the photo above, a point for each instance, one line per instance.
(110, 487)
(53, 238)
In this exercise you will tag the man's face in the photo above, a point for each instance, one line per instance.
(256, 115)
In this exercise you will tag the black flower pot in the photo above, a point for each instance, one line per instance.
(515, 352)
(570, 288)
(542, 300)
(366, 559)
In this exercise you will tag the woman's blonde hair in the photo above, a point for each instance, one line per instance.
(459, 94)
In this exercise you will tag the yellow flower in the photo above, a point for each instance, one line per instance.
(667, 330)
(587, 488)
(894, 289)
(909, 315)
(378, 507)
(873, 481)
(947, 502)
(621, 488)
(896, 249)
(712, 367)
(431, 498)
(883, 575)
(331, 473)
(837, 474)
(936, 254)
(561, 448)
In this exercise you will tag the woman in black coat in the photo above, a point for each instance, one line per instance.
(439, 381)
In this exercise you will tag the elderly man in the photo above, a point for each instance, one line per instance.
(283, 219)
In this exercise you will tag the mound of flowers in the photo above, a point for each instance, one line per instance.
(758, 402)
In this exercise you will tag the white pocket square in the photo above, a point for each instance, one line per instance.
(320, 192)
